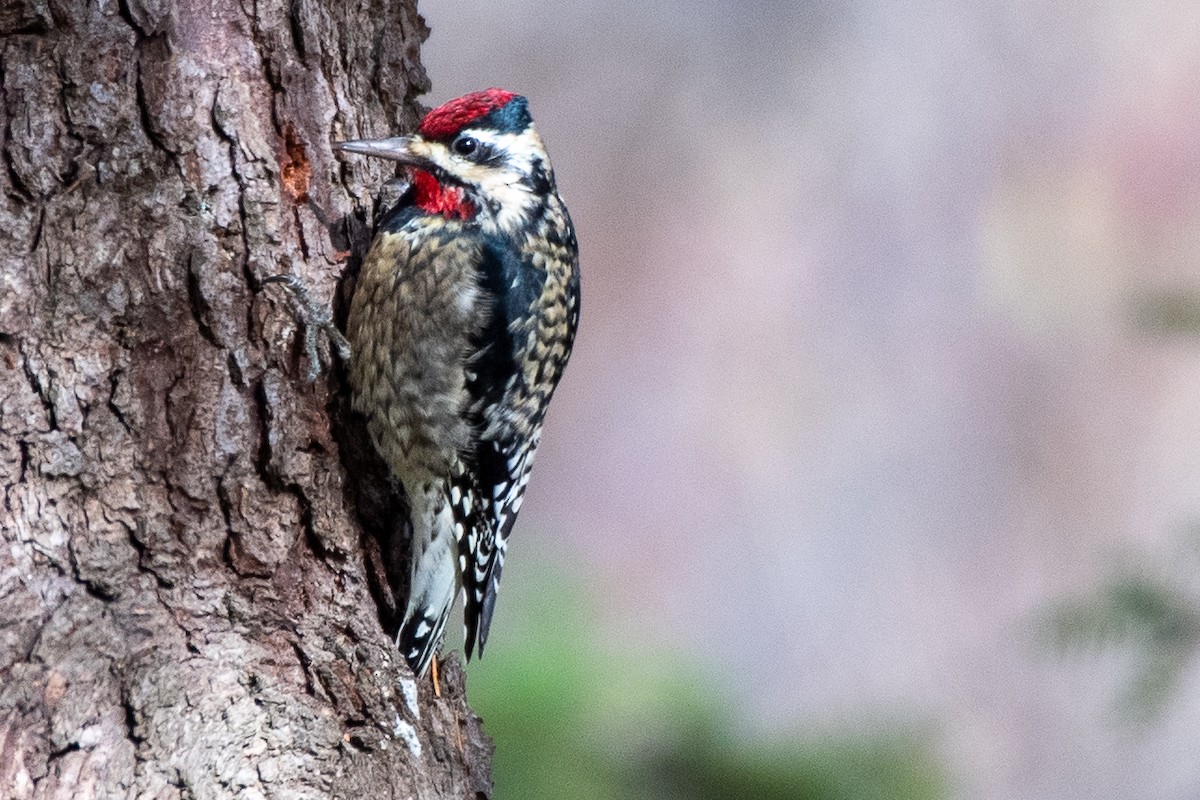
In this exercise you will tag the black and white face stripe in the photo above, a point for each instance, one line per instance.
(505, 172)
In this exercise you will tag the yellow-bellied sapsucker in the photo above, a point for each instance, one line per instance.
(460, 326)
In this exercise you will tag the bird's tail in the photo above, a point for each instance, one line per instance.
(432, 587)
(418, 639)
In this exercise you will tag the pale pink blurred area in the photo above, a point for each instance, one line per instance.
(859, 387)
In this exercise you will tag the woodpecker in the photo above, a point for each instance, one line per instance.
(460, 327)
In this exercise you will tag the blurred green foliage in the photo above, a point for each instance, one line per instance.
(577, 717)
(1153, 614)
(1168, 313)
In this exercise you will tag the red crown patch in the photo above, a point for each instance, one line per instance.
(450, 118)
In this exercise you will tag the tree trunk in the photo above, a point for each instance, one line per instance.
(185, 605)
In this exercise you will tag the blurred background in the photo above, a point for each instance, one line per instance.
(876, 470)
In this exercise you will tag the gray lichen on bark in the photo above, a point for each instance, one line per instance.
(184, 606)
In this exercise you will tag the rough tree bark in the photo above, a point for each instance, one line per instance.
(185, 605)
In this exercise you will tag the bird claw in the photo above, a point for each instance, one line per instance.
(317, 319)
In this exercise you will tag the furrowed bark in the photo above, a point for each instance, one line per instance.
(185, 606)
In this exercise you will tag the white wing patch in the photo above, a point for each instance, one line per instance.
(508, 495)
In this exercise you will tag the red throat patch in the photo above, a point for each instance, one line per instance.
(449, 119)
(433, 198)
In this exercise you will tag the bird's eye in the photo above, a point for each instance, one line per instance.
(465, 145)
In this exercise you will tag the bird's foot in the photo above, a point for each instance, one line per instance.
(317, 319)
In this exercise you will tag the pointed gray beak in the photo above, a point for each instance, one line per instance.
(394, 148)
(412, 151)
(397, 148)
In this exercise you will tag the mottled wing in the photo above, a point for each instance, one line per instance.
(513, 375)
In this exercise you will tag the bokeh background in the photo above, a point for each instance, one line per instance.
(876, 469)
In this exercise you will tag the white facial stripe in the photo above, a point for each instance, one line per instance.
(503, 184)
(519, 149)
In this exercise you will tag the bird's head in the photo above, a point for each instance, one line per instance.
(479, 155)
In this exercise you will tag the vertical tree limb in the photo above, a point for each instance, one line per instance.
(185, 609)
